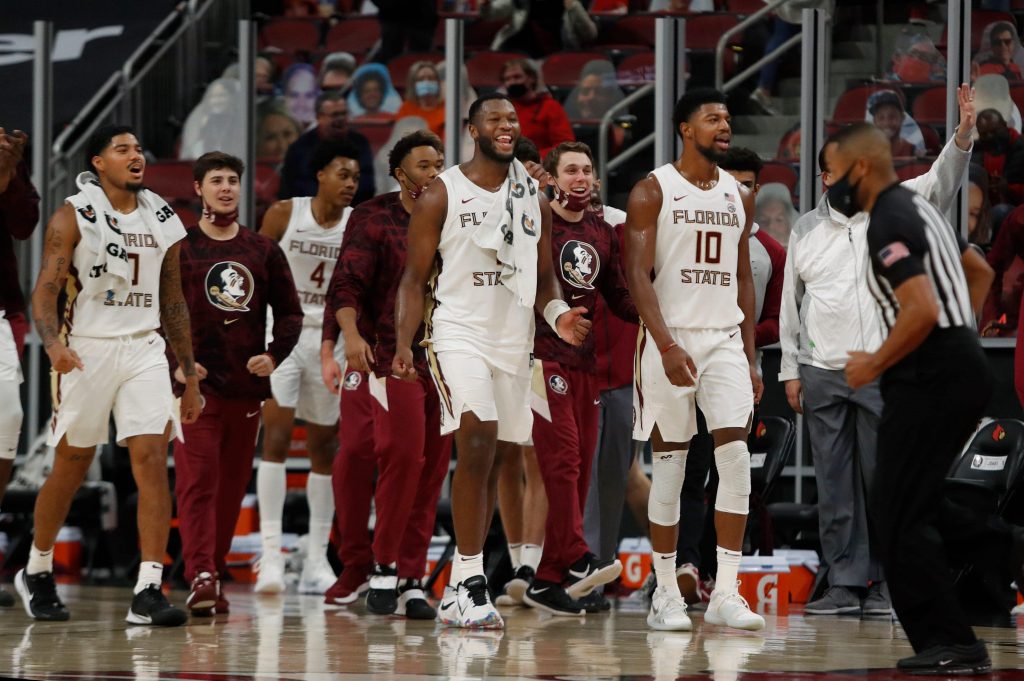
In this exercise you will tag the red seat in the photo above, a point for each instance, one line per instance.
(171, 179)
(400, 65)
(377, 133)
(852, 105)
(356, 36)
(266, 182)
(291, 35)
(562, 69)
(980, 19)
(744, 7)
(930, 107)
(635, 70)
(777, 171)
(704, 30)
(187, 213)
(912, 169)
(485, 67)
(478, 34)
(1017, 95)
(634, 30)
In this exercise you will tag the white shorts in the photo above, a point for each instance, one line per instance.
(128, 376)
(10, 365)
(723, 389)
(466, 381)
(298, 384)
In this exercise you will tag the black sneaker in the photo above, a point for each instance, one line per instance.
(6, 599)
(595, 602)
(150, 606)
(589, 572)
(383, 596)
(412, 601)
(38, 594)
(520, 582)
(943, 660)
(552, 598)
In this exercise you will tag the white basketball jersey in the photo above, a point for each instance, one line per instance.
(312, 252)
(126, 313)
(468, 307)
(697, 251)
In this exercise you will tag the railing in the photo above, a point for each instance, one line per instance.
(604, 165)
(723, 42)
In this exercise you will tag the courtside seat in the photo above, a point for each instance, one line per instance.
(994, 463)
(772, 442)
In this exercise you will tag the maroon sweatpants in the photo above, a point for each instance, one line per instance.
(212, 469)
(565, 450)
(412, 460)
(352, 478)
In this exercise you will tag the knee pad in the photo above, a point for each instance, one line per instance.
(10, 419)
(668, 469)
(733, 461)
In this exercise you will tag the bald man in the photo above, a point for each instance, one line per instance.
(928, 287)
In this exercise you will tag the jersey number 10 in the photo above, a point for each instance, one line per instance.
(709, 246)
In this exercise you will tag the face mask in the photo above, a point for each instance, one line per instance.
(427, 88)
(219, 219)
(414, 191)
(570, 201)
(516, 90)
(843, 196)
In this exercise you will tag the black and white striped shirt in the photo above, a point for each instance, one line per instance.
(907, 237)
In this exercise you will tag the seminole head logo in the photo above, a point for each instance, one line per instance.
(580, 264)
(229, 286)
(352, 380)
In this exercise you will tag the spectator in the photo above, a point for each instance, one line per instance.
(775, 213)
(385, 180)
(597, 91)
(1000, 150)
(213, 124)
(468, 93)
(1006, 249)
(300, 91)
(916, 59)
(275, 131)
(979, 209)
(541, 27)
(789, 145)
(371, 92)
(885, 109)
(336, 71)
(993, 92)
(297, 178)
(1000, 54)
(405, 27)
(541, 117)
(264, 75)
(423, 96)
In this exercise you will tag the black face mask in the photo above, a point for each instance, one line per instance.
(516, 90)
(843, 196)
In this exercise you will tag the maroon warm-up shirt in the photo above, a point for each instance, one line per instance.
(228, 286)
(19, 212)
(368, 272)
(585, 255)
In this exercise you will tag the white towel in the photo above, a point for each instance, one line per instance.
(512, 229)
(98, 224)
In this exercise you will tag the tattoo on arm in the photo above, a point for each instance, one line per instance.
(53, 275)
(174, 315)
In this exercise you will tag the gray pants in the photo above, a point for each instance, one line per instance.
(602, 514)
(843, 428)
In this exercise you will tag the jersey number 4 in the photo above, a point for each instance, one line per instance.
(317, 277)
(709, 247)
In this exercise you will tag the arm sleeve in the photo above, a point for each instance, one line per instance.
(897, 245)
(767, 330)
(789, 309)
(19, 204)
(614, 289)
(284, 301)
(942, 181)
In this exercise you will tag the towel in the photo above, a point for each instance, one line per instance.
(512, 229)
(97, 222)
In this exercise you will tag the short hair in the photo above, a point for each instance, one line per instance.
(526, 150)
(329, 96)
(743, 160)
(822, 166)
(850, 132)
(555, 155)
(101, 139)
(474, 108)
(884, 98)
(527, 65)
(328, 150)
(693, 100)
(405, 145)
(216, 160)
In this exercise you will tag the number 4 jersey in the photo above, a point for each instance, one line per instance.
(312, 251)
(697, 250)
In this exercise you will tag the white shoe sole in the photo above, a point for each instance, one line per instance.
(134, 618)
(592, 581)
(21, 586)
(516, 589)
(505, 601)
(718, 621)
(665, 626)
(548, 609)
(269, 588)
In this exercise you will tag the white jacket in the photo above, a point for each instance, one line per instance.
(827, 309)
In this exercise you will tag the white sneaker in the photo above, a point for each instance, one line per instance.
(471, 606)
(270, 574)
(447, 609)
(668, 612)
(317, 577)
(731, 610)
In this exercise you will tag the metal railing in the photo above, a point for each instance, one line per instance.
(604, 165)
(723, 42)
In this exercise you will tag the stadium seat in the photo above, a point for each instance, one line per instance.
(993, 462)
(376, 132)
(704, 30)
(979, 20)
(485, 67)
(852, 105)
(400, 65)
(562, 70)
(635, 70)
(291, 35)
(356, 36)
(478, 35)
(744, 7)
(911, 169)
(171, 179)
(772, 443)
(634, 30)
(1017, 95)
(267, 181)
(930, 107)
(778, 171)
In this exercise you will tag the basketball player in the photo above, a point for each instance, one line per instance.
(231, 276)
(935, 384)
(114, 247)
(488, 231)
(309, 230)
(412, 455)
(689, 224)
(586, 252)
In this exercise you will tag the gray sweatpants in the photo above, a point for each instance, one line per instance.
(843, 428)
(602, 514)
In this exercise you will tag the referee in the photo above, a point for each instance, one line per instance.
(935, 384)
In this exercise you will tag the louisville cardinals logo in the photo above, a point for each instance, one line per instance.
(558, 384)
(762, 429)
(353, 380)
(998, 434)
(580, 264)
(229, 286)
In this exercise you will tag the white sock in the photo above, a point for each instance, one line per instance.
(665, 571)
(270, 492)
(728, 569)
(530, 555)
(39, 561)
(515, 554)
(150, 573)
(320, 497)
(464, 567)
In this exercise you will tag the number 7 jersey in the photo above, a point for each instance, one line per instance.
(697, 251)
(312, 253)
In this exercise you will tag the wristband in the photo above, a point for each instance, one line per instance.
(553, 310)
(668, 347)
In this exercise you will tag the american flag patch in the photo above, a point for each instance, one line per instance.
(893, 253)
(728, 196)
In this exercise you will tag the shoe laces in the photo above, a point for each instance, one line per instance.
(478, 593)
(735, 599)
